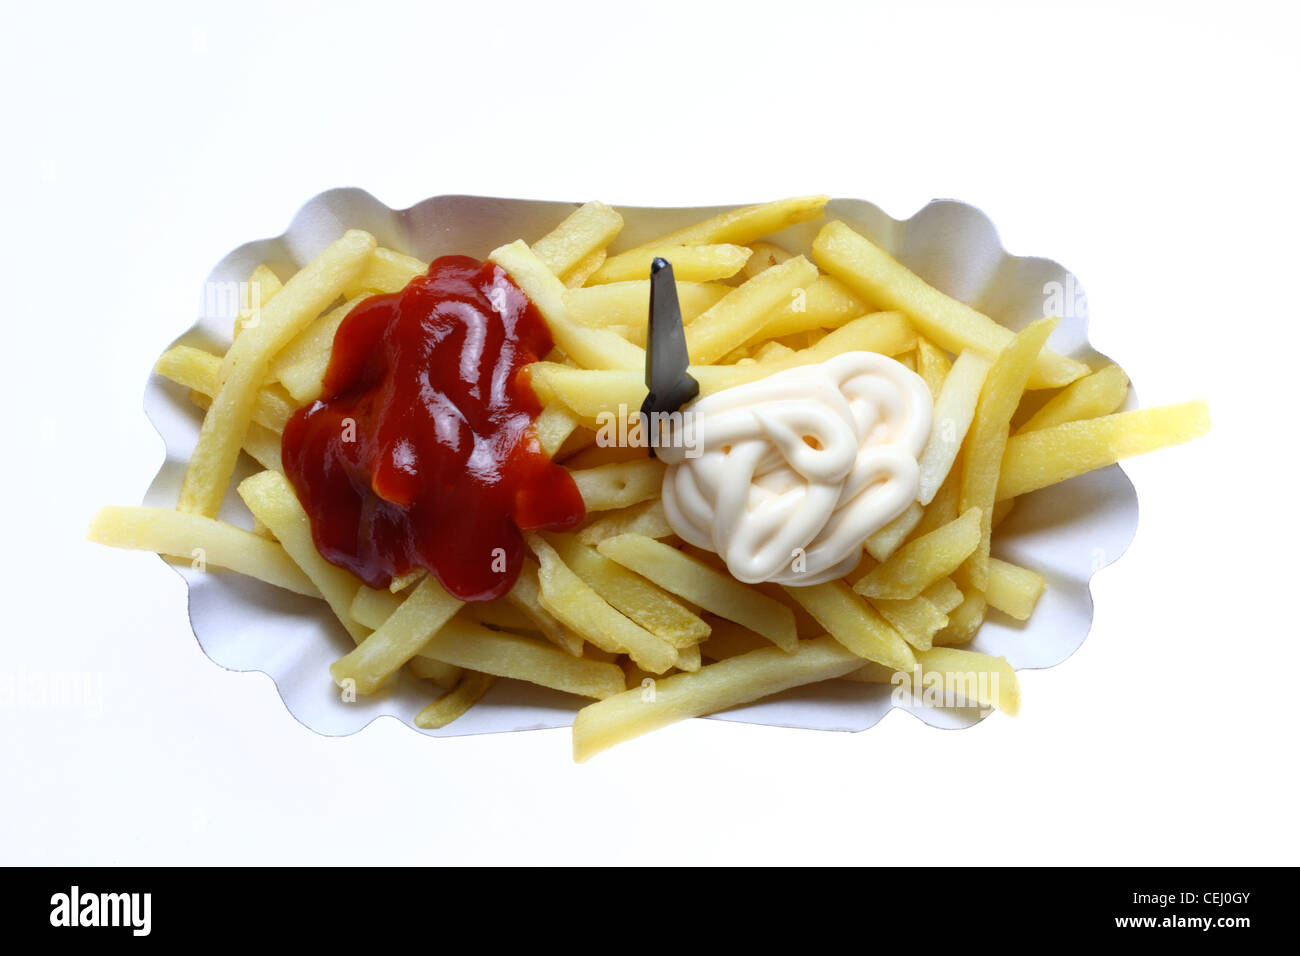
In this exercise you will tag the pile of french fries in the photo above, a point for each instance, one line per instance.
(620, 611)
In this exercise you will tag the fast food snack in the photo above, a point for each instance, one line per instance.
(588, 379)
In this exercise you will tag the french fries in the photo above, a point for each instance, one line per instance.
(955, 326)
(300, 366)
(590, 348)
(1090, 397)
(654, 609)
(575, 603)
(384, 271)
(690, 578)
(924, 560)
(201, 540)
(270, 498)
(734, 318)
(854, 623)
(201, 371)
(591, 392)
(619, 610)
(916, 619)
(303, 298)
(526, 596)
(398, 639)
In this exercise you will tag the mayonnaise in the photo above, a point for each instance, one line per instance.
(790, 474)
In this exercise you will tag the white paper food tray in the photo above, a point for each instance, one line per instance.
(1067, 532)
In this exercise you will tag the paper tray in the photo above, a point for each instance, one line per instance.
(1066, 532)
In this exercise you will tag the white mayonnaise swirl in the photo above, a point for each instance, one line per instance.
(790, 474)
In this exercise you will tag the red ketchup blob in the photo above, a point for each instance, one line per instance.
(420, 450)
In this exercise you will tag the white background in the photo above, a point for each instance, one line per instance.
(1150, 149)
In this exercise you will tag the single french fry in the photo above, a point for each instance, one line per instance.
(954, 410)
(384, 271)
(692, 579)
(628, 303)
(654, 609)
(987, 441)
(590, 348)
(577, 277)
(263, 283)
(446, 676)
(404, 581)
(922, 561)
(302, 299)
(1013, 590)
(646, 519)
(553, 426)
(854, 623)
(1090, 397)
(703, 263)
(743, 226)
(300, 366)
(764, 255)
(395, 642)
(714, 687)
(953, 325)
(741, 314)
(466, 644)
(575, 603)
(966, 677)
(964, 620)
(588, 229)
(199, 539)
(201, 371)
(620, 484)
(270, 498)
(932, 365)
(884, 542)
(454, 703)
(1049, 455)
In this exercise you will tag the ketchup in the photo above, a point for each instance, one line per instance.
(420, 450)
